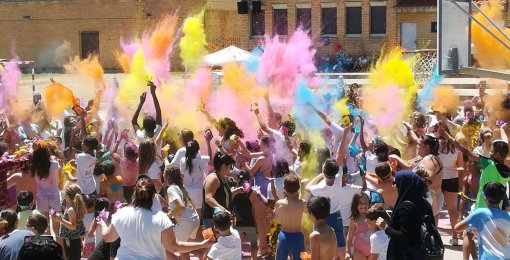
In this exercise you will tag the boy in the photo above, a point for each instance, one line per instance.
(229, 242)
(493, 168)
(323, 238)
(378, 240)
(290, 209)
(384, 181)
(85, 164)
(26, 206)
(492, 224)
(151, 126)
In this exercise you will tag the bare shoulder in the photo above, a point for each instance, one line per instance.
(315, 235)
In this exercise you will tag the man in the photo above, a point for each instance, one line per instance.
(27, 131)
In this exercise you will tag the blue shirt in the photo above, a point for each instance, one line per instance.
(11, 244)
(493, 227)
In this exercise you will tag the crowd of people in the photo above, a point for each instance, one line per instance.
(86, 189)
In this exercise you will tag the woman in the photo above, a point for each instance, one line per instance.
(11, 238)
(192, 168)
(230, 135)
(185, 136)
(485, 143)
(405, 227)
(45, 170)
(181, 206)
(144, 234)
(216, 192)
(451, 159)
(148, 164)
(428, 151)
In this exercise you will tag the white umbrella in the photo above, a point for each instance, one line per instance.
(229, 54)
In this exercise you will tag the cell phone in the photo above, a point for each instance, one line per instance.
(53, 212)
(375, 197)
(246, 186)
(209, 234)
(208, 134)
(104, 215)
(78, 110)
(148, 79)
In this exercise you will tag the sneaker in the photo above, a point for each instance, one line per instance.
(454, 241)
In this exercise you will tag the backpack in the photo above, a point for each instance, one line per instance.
(432, 247)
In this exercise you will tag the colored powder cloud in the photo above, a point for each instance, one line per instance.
(193, 42)
(426, 94)
(240, 83)
(388, 110)
(445, 99)
(134, 84)
(282, 61)
(89, 67)
(10, 76)
(58, 98)
(304, 97)
(488, 51)
(199, 87)
(158, 45)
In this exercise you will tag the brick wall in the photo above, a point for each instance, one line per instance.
(425, 38)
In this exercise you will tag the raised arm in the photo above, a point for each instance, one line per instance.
(324, 117)
(504, 137)
(263, 126)
(340, 155)
(270, 111)
(411, 133)
(134, 120)
(462, 148)
(362, 141)
(159, 120)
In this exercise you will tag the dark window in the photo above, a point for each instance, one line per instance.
(378, 20)
(433, 27)
(353, 20)
(89, 44)
(304, 18)
(328, 20)
(280, 21)
(258, 24)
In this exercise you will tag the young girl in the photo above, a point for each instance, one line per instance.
(358, 228)
(127, 164)
(88, 221)
(72, 228)
(111, 187)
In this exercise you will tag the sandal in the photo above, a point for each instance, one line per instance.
(454, 241)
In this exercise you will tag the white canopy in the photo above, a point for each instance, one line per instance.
(229, 54)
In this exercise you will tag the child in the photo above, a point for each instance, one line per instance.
(323, 238)
(469, 191)
(229, 242)
(378, 240)
(492, 224)
(88, 221)
(111, 187)
(85, 163)
(290, 209)
(26, 208)
(71, 223)
(358, 228)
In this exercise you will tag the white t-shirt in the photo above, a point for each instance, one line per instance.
(379, 244)
(87, 221)
(49, 186)
(341, 197)
(174, 195)
(228, 247)
(142, 136)
(372, 161)
(278, 184)
(282, 151)
(181, 152)
(154, 171)
(449, 167)
(140, 233)
(85, 164)
(195, 180)
(338, 132)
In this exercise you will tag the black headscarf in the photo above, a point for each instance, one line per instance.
(411, 188)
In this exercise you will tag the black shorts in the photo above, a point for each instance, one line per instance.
(450, 185)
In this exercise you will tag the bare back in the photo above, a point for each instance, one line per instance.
(290, 212)
(325, 237)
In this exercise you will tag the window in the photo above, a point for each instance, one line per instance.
(377, 20)
(304, 18)
(433, 27)
(89, 44)
(328, 20)
(353, 20)
(258, 25)
(280, 21)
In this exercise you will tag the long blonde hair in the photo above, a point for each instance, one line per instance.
(146, 156)
(74, 193)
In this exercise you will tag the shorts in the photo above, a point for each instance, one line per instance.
(186, 229)
(450, 185)
(251, 234)
(437, 202)
(290, 243)
(334, 220)
(45, 202)
(196, 197)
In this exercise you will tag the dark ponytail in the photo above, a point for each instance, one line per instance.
(220, 160)
(144, 193)
(192, 149)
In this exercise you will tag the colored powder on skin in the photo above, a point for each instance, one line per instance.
(281, 62)
(445, 99)
(488, 52)
(58, 98)
(89, 67)
(426, 94)
(193, 42)
(240, 83)
(200, 86)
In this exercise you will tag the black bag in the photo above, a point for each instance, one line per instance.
(432, 247)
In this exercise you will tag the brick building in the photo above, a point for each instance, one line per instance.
(48, 31)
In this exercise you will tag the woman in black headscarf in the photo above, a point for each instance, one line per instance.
(405, 227)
